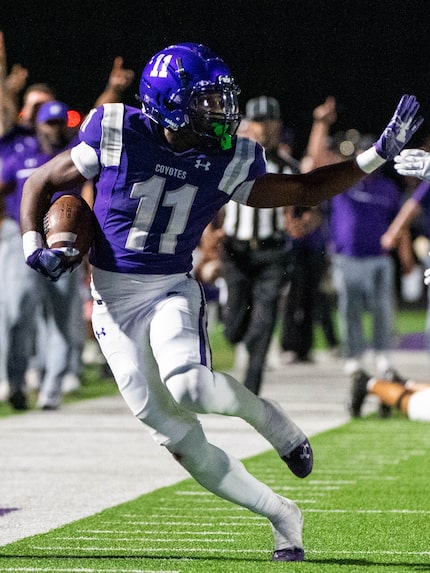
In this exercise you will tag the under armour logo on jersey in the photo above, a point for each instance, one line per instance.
(100, 333)
(199, 163)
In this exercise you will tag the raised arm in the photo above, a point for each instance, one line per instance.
(8, 108)
(120, 79)
(410, 209)
(309, 189)
(317, 152)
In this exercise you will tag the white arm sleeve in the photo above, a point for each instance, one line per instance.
(369, 160)
(85, 159)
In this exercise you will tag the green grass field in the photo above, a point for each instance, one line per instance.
(366, 508)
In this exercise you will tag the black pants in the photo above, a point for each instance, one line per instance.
(305, 303)
(253, 279)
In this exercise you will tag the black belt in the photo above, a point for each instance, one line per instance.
(231, 243)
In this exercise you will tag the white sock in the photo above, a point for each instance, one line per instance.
(280, 430)
(370, 383)
(225, 475)
(202, 391)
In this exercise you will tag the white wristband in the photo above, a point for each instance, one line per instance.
(31, 240)
(369, 160)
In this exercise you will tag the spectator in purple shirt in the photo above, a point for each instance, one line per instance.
(363, 271)
(27, 141)
(28, 296)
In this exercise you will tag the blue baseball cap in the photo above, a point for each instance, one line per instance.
(52, 110)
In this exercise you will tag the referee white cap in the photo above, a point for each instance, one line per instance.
(262, 108)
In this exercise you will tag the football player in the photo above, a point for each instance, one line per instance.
(162, 172)
(411, 398)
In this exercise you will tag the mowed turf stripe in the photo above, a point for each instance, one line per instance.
(87, 570)
(365, 505)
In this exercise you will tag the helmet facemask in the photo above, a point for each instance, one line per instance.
(214, 112)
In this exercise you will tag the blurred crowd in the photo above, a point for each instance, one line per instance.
(45, 333)
(271, 276)
(345, 267)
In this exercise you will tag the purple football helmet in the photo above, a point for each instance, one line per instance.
(187, 84)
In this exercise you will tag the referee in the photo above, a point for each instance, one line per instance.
(254, 254)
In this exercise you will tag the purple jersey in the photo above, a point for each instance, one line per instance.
(18, 167)
(422, 193)
(152, 204)
(422, 196)
(13, 145)
(362, 214)
(14, 141)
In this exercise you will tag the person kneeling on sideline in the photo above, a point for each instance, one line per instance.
(408, 396)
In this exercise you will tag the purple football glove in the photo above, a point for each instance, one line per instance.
(401, 128)
(51, 263)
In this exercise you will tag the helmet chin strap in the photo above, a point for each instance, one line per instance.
(220, 131)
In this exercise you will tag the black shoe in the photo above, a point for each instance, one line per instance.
(18, 400)
(393, 376)
(358, 392)
(300, 460)
(384, 411)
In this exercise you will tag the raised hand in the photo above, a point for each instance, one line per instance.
(400, 129)
(326, 111)
(3, 58)
(15, 81)
(120, 78)
(413, 162)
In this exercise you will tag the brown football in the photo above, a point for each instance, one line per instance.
(70, 223)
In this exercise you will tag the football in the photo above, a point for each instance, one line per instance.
(70, 223)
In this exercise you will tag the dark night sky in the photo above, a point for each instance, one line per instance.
(366, 53)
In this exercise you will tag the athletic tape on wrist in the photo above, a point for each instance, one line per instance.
(31, 241)
(369, 160)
